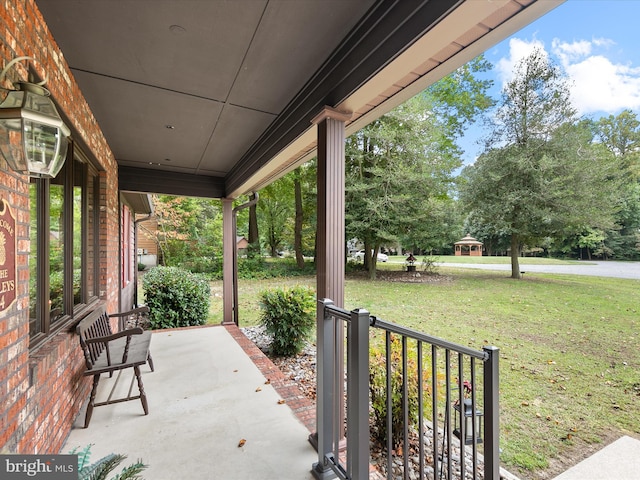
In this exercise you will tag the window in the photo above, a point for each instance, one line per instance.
(63, 260)
(126, 241)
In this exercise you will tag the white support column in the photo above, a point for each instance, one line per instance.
(228, 259)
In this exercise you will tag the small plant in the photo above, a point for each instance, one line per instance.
(141, 267)
(101, 469)
(429, 265)
(176, 297)
(378, 389)
(288, 316)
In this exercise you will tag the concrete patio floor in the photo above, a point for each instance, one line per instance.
(205, 396)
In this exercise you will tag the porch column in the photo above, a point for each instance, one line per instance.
(228, 254)
(330, 256)
(330, 259)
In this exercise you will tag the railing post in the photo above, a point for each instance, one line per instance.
(326, 366)
(358, 395)
(491, 415)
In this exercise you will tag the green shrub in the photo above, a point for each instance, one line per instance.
(141, 267)
(378, 389)
(429, 265)
(288, 316)
(176, 297)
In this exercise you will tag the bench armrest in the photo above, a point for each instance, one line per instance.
(115, 336)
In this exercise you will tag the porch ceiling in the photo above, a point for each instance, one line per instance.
(215, 98)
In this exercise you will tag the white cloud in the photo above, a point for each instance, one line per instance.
(597, 83)
(568, 52)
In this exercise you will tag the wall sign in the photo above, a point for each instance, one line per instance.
(8, 247)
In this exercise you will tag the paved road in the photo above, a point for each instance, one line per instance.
(597, 269)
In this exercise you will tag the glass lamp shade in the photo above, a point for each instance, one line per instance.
(33, 137)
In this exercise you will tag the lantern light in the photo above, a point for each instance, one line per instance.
(469, 419)
(33, 137)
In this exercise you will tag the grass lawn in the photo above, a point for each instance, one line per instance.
(486, 260)
(570, 350)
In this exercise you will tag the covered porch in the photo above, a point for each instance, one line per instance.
(208, 99)
(207, 394)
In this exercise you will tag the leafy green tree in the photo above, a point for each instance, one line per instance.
(399, 169)
(253, 235)
(620, 137)
(276, 214)
(539, 176)
(189, 232)
(304, 179)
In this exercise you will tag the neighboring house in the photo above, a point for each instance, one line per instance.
(147, 240)
(217, 107)
(241, 245)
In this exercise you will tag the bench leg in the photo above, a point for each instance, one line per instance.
(150, 360)
(92, 400)
(143, 396)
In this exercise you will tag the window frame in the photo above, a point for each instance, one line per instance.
(45, 326)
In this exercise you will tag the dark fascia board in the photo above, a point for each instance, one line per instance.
(138, 202)
(383, 34)
(134, 179)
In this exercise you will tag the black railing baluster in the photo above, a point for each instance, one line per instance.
(420, 412)
(447, 426)
(405, 409)
(434, 407)
(389, 406)
(474, 426)
(332, 323)
(463, 423)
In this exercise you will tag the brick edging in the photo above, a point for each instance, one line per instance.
(287, 388)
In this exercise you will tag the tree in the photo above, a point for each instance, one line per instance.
(276, 208)
(539, 176)
(189, 232)
(620, 136)
(399, 169)
(304, 180)
(254, 237)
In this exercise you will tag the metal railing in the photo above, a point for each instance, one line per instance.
(433, 404)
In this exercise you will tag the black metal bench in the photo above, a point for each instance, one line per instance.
(108, 352)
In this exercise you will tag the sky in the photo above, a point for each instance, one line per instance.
(597, 45)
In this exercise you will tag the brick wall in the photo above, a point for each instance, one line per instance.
(42, 391)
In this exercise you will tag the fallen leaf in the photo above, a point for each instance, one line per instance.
(258, 389)
(267, 382)
(241, 442)
(280, 402)
(524, 404)
(235, 370)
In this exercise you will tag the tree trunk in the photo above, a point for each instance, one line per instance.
(373, 263)
(297, 234)
(254, 241)
(515, 254)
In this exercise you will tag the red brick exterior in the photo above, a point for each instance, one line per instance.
(42, 390)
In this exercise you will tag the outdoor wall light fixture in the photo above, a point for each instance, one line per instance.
(33, 137)
(468, 417)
